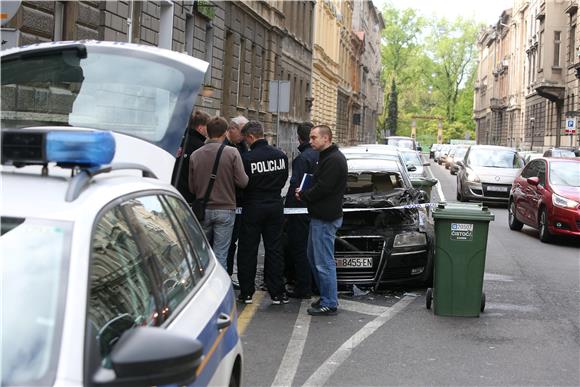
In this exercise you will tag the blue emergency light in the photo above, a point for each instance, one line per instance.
(64, 147)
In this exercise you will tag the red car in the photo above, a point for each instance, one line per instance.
(546, 196)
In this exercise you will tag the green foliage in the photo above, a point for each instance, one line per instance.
(431, 65)
(392, 114)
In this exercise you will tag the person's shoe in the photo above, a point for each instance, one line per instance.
(300, 296)
(316, 304)
(236, 285)
(322, 311)
(278, 300)
(244, 299)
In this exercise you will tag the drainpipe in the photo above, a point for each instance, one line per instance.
(130, 22)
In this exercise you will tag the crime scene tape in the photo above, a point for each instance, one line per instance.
(303, 210)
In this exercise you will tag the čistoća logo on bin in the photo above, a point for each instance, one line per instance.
(461, 232)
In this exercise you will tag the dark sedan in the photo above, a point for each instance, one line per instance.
(380, 243)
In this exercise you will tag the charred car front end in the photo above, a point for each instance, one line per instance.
(386, 237)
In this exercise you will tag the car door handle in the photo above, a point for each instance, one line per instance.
(223, 321)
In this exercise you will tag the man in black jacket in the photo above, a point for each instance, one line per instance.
(324, 200)
(297, 265)
(262, 215)
(193, 139)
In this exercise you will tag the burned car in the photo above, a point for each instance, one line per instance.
(387, 236)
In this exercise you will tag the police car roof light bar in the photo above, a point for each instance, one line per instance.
(66, 148)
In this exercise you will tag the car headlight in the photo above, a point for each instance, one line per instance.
(410, 239)
(562, 202)
(472, 176)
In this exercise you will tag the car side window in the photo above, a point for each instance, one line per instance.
(165, 251)
(193, 231)
(122, 294)
(542, 172)
(531, 170)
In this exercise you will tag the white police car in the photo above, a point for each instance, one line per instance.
(107, 278)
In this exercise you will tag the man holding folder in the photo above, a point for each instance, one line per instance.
(324, 201)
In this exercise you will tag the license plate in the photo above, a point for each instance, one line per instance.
(354, 262)
(496, 188)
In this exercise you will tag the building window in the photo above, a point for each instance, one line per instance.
(241, 69)
(540, 51)
(572, 43)
(166, 25)
(261, 80)
(208, 51)
(556, 48)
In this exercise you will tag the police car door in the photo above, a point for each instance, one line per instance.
(144, 272)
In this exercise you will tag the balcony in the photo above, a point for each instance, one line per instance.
(496, 104)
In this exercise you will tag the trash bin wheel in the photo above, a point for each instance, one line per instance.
(482, 302)
(429, 298)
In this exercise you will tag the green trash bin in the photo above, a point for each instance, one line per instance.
(424, 183)
(460, 247)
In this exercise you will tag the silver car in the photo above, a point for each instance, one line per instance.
(487, 172)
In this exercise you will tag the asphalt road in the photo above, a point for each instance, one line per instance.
(528, 335)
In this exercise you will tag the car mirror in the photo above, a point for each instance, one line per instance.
(411, 168)
(533, 180)
(420, 149)
(151, 356)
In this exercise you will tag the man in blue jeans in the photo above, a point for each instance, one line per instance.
(324, 201)
(220, 212)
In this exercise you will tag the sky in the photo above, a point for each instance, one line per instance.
(486, 11)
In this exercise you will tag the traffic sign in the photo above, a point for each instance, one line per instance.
(570, 125)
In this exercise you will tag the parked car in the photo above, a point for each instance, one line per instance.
(444, 150)
(546, 196)
(444, 153)
(107, 275)
(402, 142)
(532, 156)
(434, 148)
(458, 155)
(414, 159)
(376, 245)
(559, 152)
(487, 173)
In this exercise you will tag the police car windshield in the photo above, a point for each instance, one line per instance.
(34, 263)
(139, 94)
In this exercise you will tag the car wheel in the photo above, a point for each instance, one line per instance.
(234, 380)
(545, 235)
(513, 222)
(429, 298)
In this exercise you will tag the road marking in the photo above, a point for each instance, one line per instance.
(497, 277)
(325, 371)
(438, 185)
(295, 348)
(361, 307)
(517, 308)
(249, 311)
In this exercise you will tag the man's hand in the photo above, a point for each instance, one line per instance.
(297, 194)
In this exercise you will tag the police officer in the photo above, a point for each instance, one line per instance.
(262, 215)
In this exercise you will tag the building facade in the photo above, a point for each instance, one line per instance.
(532, 57)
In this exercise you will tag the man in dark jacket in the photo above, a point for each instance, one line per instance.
(193, 139)
(262, 215)
(234, 138)
(324, 200)
(297, 225)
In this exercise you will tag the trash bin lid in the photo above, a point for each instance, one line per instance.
(463, 211)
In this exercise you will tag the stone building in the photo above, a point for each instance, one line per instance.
(368, 20)
(247, 44)
(542, 76)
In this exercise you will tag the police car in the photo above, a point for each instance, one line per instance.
(107, 278)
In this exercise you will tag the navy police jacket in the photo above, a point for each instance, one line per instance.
(267, 168)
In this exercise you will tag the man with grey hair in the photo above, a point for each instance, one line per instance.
(234, 138)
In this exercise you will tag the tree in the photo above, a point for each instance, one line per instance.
(392, 113)
(398, 50)
(452, 49)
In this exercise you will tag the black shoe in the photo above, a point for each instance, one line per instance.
(300, 296)
(316, 304)
(244, 299)
(278, 300)
(322, 311)
(236, 285)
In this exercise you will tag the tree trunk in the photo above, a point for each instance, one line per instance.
(393, 110)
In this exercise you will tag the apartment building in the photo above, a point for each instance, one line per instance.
(532, 56)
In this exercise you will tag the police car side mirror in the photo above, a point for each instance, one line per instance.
(411, 168)
(151, 356)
